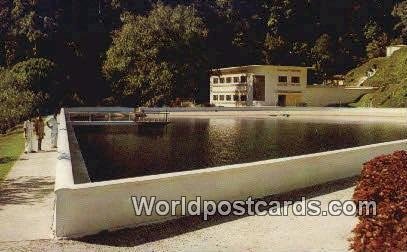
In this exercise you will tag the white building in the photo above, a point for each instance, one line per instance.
(267, 85)
(393, 48)
(258, 85)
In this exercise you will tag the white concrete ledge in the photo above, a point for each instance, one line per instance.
(64, 175)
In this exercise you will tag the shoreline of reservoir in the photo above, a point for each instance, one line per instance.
(320, 114)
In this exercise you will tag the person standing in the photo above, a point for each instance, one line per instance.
(39, 130)
(52, 123)
(28, 135)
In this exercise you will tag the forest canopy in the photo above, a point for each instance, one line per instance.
(147, 52)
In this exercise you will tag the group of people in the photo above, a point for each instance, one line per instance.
(36, 126)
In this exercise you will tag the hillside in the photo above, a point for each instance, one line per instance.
(390, 77)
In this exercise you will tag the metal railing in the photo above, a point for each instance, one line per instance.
(100, 116)
(139, 117)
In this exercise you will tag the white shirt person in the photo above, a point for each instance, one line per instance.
(52, 123)
(28, 135)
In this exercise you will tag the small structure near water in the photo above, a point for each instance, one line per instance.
(152, 118)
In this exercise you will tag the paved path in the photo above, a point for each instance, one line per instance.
(27, 196)
(256, 233)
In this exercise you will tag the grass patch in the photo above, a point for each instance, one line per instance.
(352, 78)
(11, 147)
(391, 79)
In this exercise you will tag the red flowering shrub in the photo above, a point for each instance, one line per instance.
(383, 180)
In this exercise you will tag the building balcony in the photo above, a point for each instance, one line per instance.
(229, 88)
(228, 84)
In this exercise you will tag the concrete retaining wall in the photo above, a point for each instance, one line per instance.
(395, 115)
(328, 96)
(83, 209)
(79, 170)
(297, 110)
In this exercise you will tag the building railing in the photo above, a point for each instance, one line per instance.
(228, 84)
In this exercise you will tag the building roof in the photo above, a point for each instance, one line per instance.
(401, 45)
(247, 67)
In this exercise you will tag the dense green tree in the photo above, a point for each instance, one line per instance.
(323, 52)
(26, 25)
(26, 87)
(15, 106)
(245, 28)
(377, 48)
(274, 49)
(400, 11)
(39, 76)
(158, 57)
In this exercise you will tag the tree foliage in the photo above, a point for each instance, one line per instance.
(158, 57)
(323, 52)
(400, 11)
(15, 102)
(26, 87)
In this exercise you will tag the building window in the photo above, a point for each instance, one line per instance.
(236, 79)
(215, 80)
(215, 97)
(295, 79)
(259, 88)
(243, 79)
(282, 79)
(229, 80)
(222, 80)
(222, 97)
(228, 97)
(243, 98)
(235, 98)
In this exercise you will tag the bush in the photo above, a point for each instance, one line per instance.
(15, 106)
(39, 76)
(25, 87)
(383, 180)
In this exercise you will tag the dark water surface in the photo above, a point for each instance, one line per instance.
(114, 152)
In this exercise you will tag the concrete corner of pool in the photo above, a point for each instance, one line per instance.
(216, 154)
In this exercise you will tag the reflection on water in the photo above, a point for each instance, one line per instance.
(114, 152)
